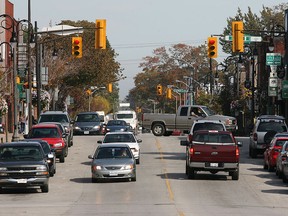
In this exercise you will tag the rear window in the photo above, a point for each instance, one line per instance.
(208, 126)
(277, 126)
(54, 118)
(213, 138)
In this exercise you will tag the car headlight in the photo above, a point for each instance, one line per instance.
(96, 167)
(122, 129)
(58, 145)
(42, 170)
(76, 127)
(127, 167)
(3, 169)
(97, 127)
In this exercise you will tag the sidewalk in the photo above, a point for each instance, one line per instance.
(8, 137)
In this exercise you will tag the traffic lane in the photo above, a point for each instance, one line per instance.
(65, 188)
(257, 192)
(147, 196)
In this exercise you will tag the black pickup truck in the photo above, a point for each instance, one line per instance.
(23, 164)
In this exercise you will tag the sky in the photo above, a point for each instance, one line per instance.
(136, 27)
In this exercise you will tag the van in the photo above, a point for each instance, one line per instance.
(129, 116)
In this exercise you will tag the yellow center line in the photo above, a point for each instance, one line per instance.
(168, 185)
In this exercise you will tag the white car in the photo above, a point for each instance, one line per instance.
(126, 138)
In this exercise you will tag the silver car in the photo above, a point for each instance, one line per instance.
(127, 138)
(113, 161)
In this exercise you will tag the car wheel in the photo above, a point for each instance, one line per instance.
(265, 166)
(51, 174)
(45, 188)
(270, 168)
(133, 179)
(191, 173)
(138, 161)
(158, 129)
(235, 175)
(284, 178)
(62, 159)
(253, 153)
(66, 151)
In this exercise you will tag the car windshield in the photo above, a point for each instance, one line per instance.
(272, 126)
(87, 118)
(111, 138)
(208, 111)
(208, 126)
(115, 122)
(125, 116)
(44, 133)
(54, 118)
(20, 153)
(112, 152)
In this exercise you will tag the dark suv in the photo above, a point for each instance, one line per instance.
(63, 118)
(265, 128)
(23, 164)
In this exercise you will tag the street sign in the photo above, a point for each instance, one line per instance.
(247, 38)
(285, 89)
(273, 58)
(272, 91)
(273, 82)
(180, 90)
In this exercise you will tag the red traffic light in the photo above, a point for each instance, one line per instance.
(211, 41)
(76, 41)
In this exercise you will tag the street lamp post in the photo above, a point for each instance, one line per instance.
(9, 24)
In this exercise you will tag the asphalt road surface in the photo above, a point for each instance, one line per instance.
(162, 188)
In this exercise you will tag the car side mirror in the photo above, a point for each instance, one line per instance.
(239, 143)
(90, 156)
(26, 136)
(72, 121)
(99, 141)
(139, 140)
(50, 156)
(64, 135)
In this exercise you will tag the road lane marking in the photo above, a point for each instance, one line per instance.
(168, 185)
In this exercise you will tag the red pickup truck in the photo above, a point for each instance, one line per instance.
(212, 151)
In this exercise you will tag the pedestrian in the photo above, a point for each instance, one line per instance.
(22, 121)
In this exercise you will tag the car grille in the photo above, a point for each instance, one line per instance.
(20, 168)
(113, 168)
(86, 128)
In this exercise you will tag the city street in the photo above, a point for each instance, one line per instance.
(162, 188)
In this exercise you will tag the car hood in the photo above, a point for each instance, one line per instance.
(52, 140)
(113, 161)
(86, 124)
(131, 145)
(23, 163)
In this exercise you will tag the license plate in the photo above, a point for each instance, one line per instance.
(214, 164)
(22, 181)
(113, 174)
(86, 132)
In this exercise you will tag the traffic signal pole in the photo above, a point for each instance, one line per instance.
(286, 59)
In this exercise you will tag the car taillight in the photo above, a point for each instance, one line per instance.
(191, 151)
(237, 152)
(255, 137)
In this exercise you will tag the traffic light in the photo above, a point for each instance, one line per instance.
(212, 47)
(100, 34)
(237, 37)
(110, 87)
(77, 47)
(88, 92)
(169, 93)
(159, 89)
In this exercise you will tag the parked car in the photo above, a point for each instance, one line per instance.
(52, 134)
(113, 161)
(49, 153)
(284, 154)
(87, 123)
(63, 118)
(265, 128)
(281, 159)
(116, 125)
(127, 138)
(212, 151)
(23, 164)
(271, 153)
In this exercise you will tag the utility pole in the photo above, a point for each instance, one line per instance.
(286, 59)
